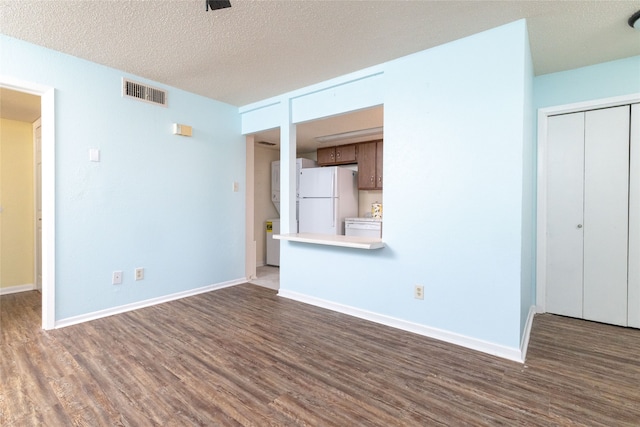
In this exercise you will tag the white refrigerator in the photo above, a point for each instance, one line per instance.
(328, 195)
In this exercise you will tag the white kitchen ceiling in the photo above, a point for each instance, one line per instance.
(258, 49)
(306, 133)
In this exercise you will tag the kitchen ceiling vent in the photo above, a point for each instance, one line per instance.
(152, 95)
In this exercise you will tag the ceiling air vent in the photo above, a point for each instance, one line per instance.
(131, 89)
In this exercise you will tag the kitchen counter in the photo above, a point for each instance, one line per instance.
(330, 240)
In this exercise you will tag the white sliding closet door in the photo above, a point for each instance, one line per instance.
(606, 214)
(588, 215)
(565, 175)
(634, 219)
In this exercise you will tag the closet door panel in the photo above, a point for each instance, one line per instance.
(565, 174)
(634, 220)
(606, 210)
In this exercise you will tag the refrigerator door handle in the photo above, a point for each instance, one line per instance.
(333, 184)
(333, 209)
(333, 199)
(334, 190)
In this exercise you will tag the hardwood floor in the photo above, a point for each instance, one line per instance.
(243, 356)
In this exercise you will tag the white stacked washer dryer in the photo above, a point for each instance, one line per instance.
(275, 181)
(273, 245)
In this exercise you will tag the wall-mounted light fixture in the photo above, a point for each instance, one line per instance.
(182, 130)
(348, 135)
(634, 20)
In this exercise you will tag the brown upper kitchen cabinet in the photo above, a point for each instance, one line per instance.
(370, 165)
(340, 155)
(379, 165)
(346, 153)
(326, 156)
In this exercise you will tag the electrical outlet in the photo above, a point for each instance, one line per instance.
(116, 279)
(139, 273)
(418, 292)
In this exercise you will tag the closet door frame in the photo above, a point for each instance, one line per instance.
(541, 212)
(633, 293)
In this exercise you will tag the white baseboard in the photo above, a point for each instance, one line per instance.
(524, 343)
(498, 350)
(18, 288)
(146, 303)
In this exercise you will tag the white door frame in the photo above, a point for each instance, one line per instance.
(543, 115)
(47, 107)
(37, 215)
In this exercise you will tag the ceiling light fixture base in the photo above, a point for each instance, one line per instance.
(215, 5)
(634, 20)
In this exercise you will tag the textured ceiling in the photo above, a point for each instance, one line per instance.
(258, 49)
(262, 48)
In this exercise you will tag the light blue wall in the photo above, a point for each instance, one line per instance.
(156, 200)
(457, 149)
(528, 279)
(453, 185)
(609, 79)
(350, 95)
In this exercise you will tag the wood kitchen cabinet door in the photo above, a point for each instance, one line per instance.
(367, 166)
(326, 156)
(379, 165)
(340, 155)
(346, 154)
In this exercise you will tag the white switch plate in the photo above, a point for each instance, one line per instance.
(94, 155)
(235, 187)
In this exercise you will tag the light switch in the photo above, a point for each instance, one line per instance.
(94, 155)
(235, 187)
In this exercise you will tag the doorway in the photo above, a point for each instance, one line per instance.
(47, 195)
(588, 231)
(19, 114)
